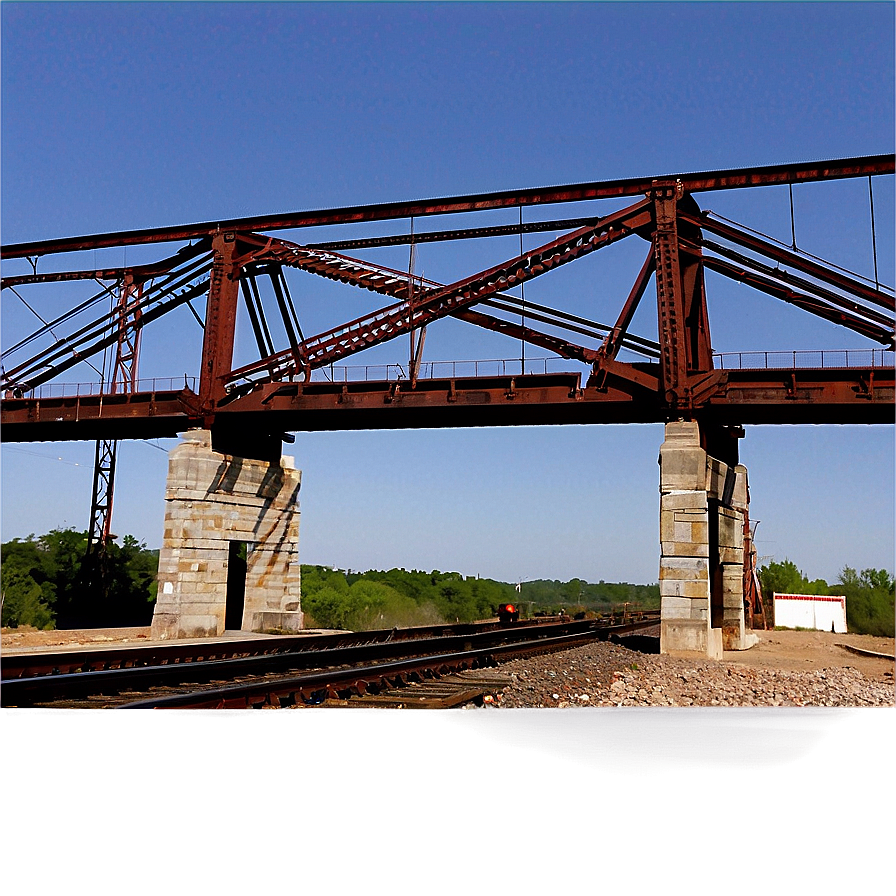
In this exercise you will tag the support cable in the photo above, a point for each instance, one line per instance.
(412, 251)
(873, 235)
(792, 225)
(59, 320)
(199, 320)
(771, 239)
(46, 325)
(523, 302)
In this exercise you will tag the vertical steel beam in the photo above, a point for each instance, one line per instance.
(698, 346)
(682, 315)
(669, 297)
(220, 321)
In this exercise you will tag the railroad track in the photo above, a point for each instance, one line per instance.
(92, 659)
(370, 668)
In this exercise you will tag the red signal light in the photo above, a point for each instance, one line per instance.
(511, 608)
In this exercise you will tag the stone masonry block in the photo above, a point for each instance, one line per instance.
(670, 587)
(682, 460)
(695, 589)
(675, 608)
(684, 549)
(731, 529)
(688, 500)
(682, 635)
(741, 498)
(733, 601)
(684, 568)
(731, 556)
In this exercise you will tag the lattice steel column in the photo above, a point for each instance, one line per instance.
(123, 379)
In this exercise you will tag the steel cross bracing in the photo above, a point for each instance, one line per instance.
(256, 403)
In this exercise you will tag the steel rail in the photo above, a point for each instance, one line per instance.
(90, 659)
(727, 179)
(314, 688)
(23, 692)
(339, 650)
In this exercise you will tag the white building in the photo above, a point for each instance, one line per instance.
(825, 613)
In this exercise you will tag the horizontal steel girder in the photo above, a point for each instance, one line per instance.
(800, 395)
(633, 186)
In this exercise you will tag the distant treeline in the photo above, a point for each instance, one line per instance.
(336, 599)
(870, 606)
(43, 584)
(580, 595)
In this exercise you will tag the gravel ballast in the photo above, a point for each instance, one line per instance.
(609, 674)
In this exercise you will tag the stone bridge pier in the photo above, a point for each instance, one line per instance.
(230, 552)
(703, 502)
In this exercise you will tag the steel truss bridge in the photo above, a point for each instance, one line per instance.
(250, 408)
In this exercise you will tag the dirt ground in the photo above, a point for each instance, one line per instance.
(26, 636)
(800, 651)
(795, 651)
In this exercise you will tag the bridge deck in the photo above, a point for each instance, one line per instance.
(751, 396)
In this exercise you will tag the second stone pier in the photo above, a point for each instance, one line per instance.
(703, 503)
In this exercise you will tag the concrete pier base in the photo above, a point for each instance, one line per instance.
(702, 506)
(229, 556)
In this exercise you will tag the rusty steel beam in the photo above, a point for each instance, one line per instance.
(856, 395)
(387, 323)
(800, 300)
(630, 394)
(561, 347)
(670, 300)
(785, 279)
(795, 260)
(68, 353)
(467, 233)
(390, 282)
(139, 273)
(135, 415)
(692, 183)
(615, 338)
(220, 321)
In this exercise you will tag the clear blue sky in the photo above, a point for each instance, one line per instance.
(119, 116)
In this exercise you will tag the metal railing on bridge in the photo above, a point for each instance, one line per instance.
(338, 373)
(85, 390)
(816, 359)
(431, 370)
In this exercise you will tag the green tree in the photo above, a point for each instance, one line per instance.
(22, 599)
(870, 606)
(783, 578)
(328, 607)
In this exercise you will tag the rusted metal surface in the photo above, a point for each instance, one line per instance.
(276, 393)
(26, 662)
(129, 670)
(393, 320)
(624, 393)
(692, 183)
(792, 259)
(316, 688)
(813, 304)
